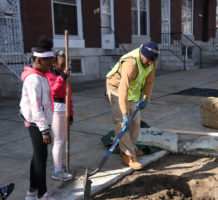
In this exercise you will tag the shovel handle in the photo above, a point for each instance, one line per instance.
(111, 149)
(123, 130)
(67, 106)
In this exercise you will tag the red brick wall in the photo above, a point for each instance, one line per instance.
(155, 20)
(91, 23)
(175, 21)
(212, 18)
(122, 18)
(36, 21)
(204, 19)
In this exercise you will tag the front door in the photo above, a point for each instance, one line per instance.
(165, 21)
(107, 24)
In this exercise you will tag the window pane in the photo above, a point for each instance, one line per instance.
(134, 22)
(217, 13)
(107, 23)
(134, 4)
(106, 9)
(187, 16)
(65, 1)
(189, 4)
(184, 3)
(65, 17)
(106, 17)
(75, 65)
(142, 4)
(143, 20)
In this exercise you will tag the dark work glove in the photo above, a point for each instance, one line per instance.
(64, 76)
(142, 103)
(71, 118)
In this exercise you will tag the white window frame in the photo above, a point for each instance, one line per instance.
(74, 41)
(138, 18)
(192, 20)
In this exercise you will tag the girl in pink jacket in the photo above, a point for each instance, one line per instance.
(57, 80)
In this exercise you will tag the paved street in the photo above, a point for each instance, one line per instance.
(177, 113)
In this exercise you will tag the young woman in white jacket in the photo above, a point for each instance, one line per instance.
(36, 109)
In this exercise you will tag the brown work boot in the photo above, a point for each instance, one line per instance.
(139, 153)
(130, 161)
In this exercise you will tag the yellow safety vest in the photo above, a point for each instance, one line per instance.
(137, 85)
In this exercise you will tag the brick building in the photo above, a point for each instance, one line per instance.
(100, 31)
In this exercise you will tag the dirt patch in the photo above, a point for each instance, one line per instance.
(173, 177)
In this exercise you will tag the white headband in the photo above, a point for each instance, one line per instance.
(43, 54)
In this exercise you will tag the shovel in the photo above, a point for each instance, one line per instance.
(87, 182)
(67, 106)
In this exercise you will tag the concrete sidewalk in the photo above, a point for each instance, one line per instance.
(177, 113)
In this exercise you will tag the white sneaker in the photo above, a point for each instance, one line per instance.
(62, 176)
(46, 196)
(31, 195)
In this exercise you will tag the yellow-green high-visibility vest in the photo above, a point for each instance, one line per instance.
(137, 85)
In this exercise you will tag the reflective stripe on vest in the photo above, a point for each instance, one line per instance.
(137, 85)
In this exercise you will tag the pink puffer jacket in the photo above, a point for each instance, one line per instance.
(58, 87)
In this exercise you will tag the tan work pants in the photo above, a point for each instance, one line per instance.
(128, 141)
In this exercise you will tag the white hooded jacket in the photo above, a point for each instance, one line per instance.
(36, 102)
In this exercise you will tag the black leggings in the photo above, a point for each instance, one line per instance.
(38, 162)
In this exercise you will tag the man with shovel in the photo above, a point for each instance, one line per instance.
(131, 79)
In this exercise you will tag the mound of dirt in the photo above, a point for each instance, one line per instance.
(174, 177)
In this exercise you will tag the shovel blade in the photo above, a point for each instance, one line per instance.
(87, 186)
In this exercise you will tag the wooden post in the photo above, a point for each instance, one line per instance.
(67, 106)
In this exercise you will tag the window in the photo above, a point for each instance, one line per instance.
(187, 16)
(75, 65)
(134, 18)
(143, 17)
(106, 16)
(67, 15)
(140, 17)
(107, 24)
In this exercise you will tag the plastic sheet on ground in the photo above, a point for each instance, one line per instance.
(203, 143)
(149, 141)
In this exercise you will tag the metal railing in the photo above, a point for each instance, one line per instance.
(176, 47)
(11, 41)
(14, 62)
(190, 40)
(214, 35)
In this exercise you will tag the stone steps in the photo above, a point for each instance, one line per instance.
(168, 61)
(14, 61)
(10, 84)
